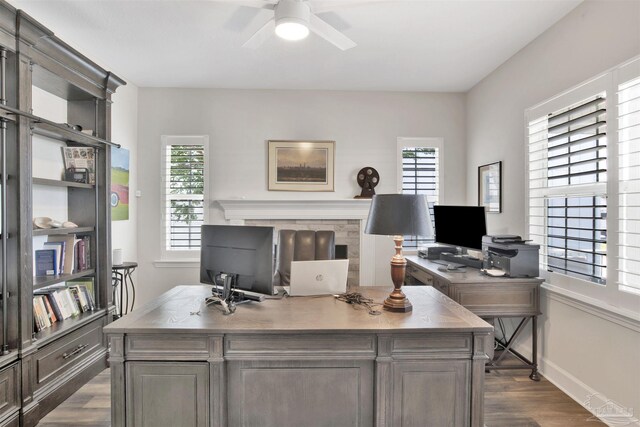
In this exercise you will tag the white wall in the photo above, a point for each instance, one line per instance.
(124, 131)
(365, 126)
(582, 352)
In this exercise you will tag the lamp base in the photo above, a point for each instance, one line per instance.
(397, 305)
(397, 301)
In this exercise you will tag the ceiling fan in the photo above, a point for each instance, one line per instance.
(293, 19)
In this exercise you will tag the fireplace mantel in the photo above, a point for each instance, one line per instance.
(242, 209)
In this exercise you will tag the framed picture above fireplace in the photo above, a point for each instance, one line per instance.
(301, 165)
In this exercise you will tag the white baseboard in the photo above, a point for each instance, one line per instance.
(592, 400)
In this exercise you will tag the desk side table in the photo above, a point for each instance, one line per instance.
(490, 298)
(122, 281)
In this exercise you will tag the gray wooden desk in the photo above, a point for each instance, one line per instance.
(298, 361)
(489, 298)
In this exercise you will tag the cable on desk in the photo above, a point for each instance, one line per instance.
(358, 300)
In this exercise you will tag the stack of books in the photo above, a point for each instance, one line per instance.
(55, 304)
(63, 255)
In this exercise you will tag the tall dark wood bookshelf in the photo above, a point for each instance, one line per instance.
(41, 369)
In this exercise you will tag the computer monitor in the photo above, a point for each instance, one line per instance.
(461, 226)
(243, 250)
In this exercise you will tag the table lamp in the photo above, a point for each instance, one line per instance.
(398, 215)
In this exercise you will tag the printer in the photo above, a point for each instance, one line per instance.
(514, 256)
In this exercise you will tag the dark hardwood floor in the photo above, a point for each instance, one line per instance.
(511, 400)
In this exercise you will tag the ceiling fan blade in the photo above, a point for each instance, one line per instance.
(261, 35)
(329, 33)
(258, 4)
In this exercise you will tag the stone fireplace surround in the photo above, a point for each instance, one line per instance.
(346, 217)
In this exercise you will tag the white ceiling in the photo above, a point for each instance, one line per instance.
(428, 45)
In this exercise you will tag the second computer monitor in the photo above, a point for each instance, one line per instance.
(243, 250)
(461, 226)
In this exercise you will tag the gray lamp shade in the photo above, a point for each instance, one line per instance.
(399, 215)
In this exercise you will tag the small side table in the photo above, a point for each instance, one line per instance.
(122, 281)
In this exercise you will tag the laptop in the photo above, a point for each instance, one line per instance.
(318, 277)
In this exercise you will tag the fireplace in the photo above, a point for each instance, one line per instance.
(347, 218)
(347, 235)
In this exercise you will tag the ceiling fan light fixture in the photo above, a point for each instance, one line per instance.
(291, 30)
(292, 19)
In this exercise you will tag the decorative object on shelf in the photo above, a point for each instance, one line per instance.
(77, 128)
(301, 165)
(119, 198)
(367, 179)
(80, 158)
(490, 187)
(45, 223)
(80, 175)
(42, 222)
(116, 258)
(55, 223)
(399, 215)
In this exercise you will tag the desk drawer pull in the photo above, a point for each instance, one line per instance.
(77, 350)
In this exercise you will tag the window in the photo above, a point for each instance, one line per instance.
(568, 174)
(420, 174)
(583, 208)
(185, 192)
(629, 179)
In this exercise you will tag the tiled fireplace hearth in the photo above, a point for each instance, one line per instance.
(346, 217)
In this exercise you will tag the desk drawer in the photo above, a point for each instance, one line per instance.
(497, 299)
(169, 347)
(414, 345)
(299, 346)
(62, 355)
(9, 391)
(420, 275)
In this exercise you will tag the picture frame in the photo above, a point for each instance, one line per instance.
(301, 165)
(490, 187)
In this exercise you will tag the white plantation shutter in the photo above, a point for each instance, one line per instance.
(184, 175)
(538, 185)
(421, 175)
(567, 189)
(629, 185)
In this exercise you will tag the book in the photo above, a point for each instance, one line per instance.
(71, 303)
(79, 298)
(47, 305)
(87, 251)
(81, 263)
(84, 281)
(43, 312)
(88, 296)
(50, 294)
(60, 248)
(46, 262)
(69, 258)
(37, 320)
(62, 304)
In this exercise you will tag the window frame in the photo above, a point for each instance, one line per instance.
(166, 141)
(420, 142)
(608, 296)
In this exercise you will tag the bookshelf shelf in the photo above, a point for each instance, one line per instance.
(65, 326)
(40, 282)
(62, 231)
(60, 183)
(61, 132)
